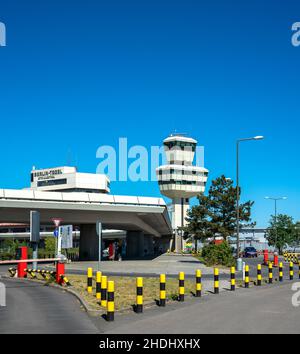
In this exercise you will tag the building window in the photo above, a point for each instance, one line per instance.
(52, 182)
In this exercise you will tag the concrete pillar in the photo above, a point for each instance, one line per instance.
(135, 244)
(178, 241)
(148, 245)
(89, 243)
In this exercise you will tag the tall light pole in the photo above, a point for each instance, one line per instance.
(275, 199)
(259, 137)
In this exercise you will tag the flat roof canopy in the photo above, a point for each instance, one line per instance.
(116, 212)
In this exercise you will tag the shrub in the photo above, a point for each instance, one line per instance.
(220, 254)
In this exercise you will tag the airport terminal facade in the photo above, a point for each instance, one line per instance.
(139, 225)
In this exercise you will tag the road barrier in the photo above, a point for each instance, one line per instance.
(232, 278)
(247, 276)
(31, 272)
(65, 280)
(216, 280)
(280, 272)
(12, 271)
(198, 283)
(46, 275)
(89, 280)
(259, 275)
(51, 273)
(98, 285)
(291, 257)
(270, 273)
(162, 290)
(104, 291)
(110, 315)
(139, 295)
(42, 273)
(291, 270)
(181, 287)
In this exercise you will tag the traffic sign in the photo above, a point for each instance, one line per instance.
(55, 233)
(56, 221)
(66, 236)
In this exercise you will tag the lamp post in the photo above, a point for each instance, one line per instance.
(275, 199)
(259, 137)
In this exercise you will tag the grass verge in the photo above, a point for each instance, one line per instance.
(125, 290)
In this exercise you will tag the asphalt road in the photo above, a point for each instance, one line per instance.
(35, 308)
(252, 262)
(266, 309)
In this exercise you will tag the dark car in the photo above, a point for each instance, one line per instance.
(250, 252)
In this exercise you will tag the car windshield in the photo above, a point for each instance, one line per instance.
(250, 249)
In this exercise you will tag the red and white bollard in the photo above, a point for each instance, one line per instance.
(22, 254)
(266, 257)
(60, 270)
(275, 259)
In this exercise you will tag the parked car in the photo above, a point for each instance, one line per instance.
(250, 252)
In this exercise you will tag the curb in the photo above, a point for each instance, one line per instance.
(70, 291)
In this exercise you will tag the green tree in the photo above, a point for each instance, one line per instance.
(215, 215)
(281, 232)
(297, 234)
(222, 199)
(50, 244)
(198, 222)
(10, 245)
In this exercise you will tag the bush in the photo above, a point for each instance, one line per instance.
(50, 244)
(219, 254)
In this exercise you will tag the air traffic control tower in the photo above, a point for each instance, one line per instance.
(180, 180)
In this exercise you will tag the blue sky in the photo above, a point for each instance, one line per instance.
(76, 75)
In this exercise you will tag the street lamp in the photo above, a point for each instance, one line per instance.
(275, 199)
(258, 137)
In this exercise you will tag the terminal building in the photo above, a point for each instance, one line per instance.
(67, 179)
(139, 225)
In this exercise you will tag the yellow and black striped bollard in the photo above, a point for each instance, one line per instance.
(98, 285)
(104, 291)
(162, 290)
(198, 283)
(89, 280)
(110, 315)
(280, 272)
(259, 274)
(246, 276)
(32, 273)
(12, 272)
(216, 280)
(65, 280)
(139, 295)
(181, 286)
(291, 271)
(51, 273)
(44, 274)
(232, 278)
(270, 273)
